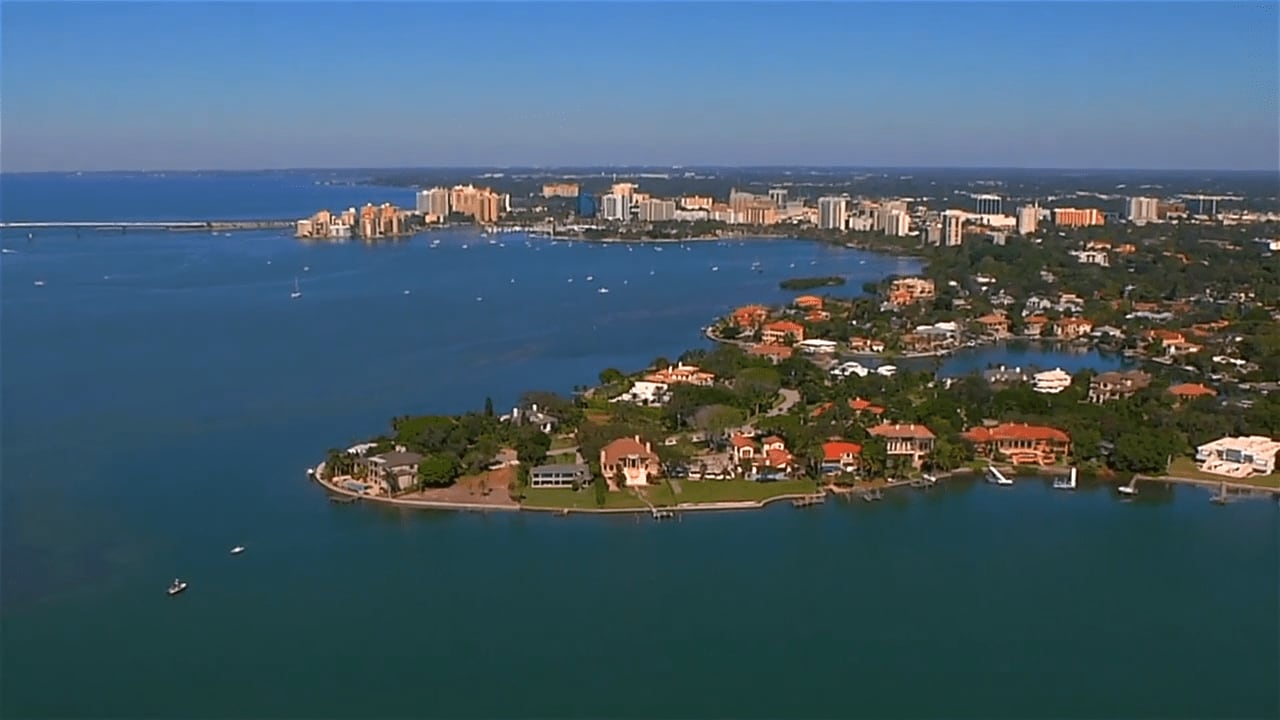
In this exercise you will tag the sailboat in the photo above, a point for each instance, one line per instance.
(297, 292)
(1068, 483)
(995, 476)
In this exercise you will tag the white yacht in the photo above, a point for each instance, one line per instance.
(237, 550)
(297, 291)
(39, 283)
(177, 587)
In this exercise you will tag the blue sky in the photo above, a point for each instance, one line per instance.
(183, 85)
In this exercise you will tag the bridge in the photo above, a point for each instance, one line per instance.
(151, 225)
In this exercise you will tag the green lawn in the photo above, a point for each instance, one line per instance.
(708, 491)
(584, 499)
(561, 442)
(1186, 467)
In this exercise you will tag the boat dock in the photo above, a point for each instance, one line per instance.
(809, 500)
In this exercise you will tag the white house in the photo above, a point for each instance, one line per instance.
(1238, 457)
(645, 392)
(817, 346)
(1051, 381)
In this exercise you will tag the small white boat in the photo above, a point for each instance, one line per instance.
(306, 268)
(237, 550)
(297, 291)
(1127, 490)
(997, 477)
(8, 251)
(603, 291)
(1067, 483)
(590, 278)
(931, 479)
(715, 268)
(406, 292)
(39, 283)
(177, 587)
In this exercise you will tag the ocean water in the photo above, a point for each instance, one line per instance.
(161, 395)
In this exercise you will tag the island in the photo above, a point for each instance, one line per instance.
(809, 283)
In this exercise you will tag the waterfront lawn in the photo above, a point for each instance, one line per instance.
(715, 491)
(584, 499)
(1186, 467)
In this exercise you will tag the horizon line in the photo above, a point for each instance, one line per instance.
(708, 166)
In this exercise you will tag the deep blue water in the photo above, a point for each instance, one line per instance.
(160, 396)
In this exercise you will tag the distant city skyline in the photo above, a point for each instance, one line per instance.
(225, 86)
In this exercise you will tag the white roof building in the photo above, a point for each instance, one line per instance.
(1238, 456)
(1051, 381)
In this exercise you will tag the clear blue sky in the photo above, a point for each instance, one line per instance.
(274, 85)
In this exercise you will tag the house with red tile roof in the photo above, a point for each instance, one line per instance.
(770, 454)
(749, 316)
(775, 353)
(782, 332)
(681, 373)
(908, 440)
(1071, 328)
(996, 324)
(1191, 391)
(840, 456)
(629, 462)
(857, 405)
(1020, 443)
(808, 302)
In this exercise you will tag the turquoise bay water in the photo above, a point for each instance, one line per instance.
(162, 395)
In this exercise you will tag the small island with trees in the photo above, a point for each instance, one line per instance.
(809, 283)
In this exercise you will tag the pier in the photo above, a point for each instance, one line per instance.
(171, 225)
(809, 500)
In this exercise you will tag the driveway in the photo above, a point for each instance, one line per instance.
(789, 400)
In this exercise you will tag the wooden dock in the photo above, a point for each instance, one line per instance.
(809, 500)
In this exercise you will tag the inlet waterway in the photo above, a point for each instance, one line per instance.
(162, 394)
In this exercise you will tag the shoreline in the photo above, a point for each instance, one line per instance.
(739, 505)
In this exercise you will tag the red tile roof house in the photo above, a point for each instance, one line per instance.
(911, 441)
(857, 405)
(780, 332)
(840, 456)
(1020, 444)
(770, 455)
(1191, 391)
(630, 460)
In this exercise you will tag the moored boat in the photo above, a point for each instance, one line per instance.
(1067, 483)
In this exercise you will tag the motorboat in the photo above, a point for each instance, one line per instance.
(997, 477)
(177, 586)
(237, 550)
(603, 290)
(931, 479)
(1128, 490)
(39, 283)
(1067, 483)
(297, 291)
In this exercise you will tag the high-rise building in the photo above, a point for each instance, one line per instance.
(696, 202)
(881, 215)
(422, 203)
(1028, 219)
(833, 213)
(779, 197)
(656, 210)
(615, 207)
(952, 228)
(1075, 217)
(586, 205)
(899, 224)
(987, 204)
(1142, 210)
(482, 204)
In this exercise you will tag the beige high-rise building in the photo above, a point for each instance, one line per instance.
(1028, 219)
(696, 202)
(833, 212)
(482, 204)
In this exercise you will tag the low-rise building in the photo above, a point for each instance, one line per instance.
(559, 476)
(840, 456)
(1020, 444)
(909, 290)
(1071, 328)
(393, 472)
(994, 324)
(1237, 457)
(749, 316)
(1051, 382)
(682, 374)
(645, 392)
(1191, 391)
(629, 462)
(911, 441)
(1112, 385)
(782, 332)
